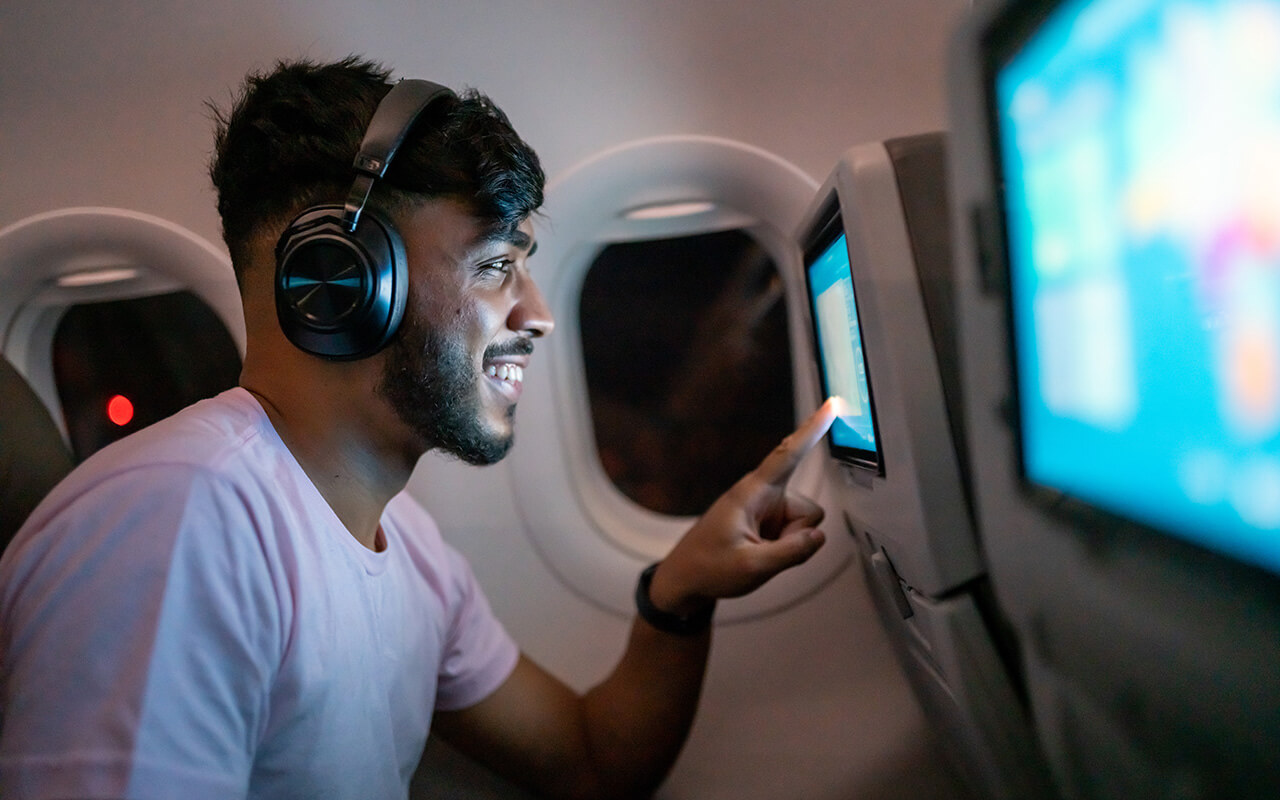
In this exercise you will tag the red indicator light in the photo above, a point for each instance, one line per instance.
(120, 410)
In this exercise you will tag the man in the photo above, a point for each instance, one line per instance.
(241, 601)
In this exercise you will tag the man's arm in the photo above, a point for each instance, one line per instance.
(620, 739)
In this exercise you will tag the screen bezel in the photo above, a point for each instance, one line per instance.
(1001, 42)
(829, 227)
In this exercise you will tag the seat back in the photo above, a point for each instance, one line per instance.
(33, 456)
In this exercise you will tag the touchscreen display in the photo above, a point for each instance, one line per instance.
(839, 341)
(1140, 146)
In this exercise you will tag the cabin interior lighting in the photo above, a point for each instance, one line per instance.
(120, 410)
(683, 208)
(98, 277)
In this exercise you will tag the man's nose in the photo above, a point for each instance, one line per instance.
(531, 314)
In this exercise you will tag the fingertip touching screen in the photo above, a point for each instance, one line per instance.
(854, 436)
(1140, 148)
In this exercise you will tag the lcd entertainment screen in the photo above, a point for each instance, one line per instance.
(839, 345)
(1140, 147)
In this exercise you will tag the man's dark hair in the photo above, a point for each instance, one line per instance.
(289, 140)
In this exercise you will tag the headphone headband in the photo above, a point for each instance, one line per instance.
(391, 123)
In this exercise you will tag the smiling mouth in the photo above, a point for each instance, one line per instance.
(503, 365)
(507, 373)
(505, 379)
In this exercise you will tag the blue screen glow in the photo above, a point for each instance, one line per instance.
(835, 316)
(1140, 143)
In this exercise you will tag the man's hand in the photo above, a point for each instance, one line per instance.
(751, 533)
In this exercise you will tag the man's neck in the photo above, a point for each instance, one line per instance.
(355, 473)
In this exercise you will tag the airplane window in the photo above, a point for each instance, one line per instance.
(688, 365)
(124, 364)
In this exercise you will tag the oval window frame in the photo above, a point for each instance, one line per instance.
(38, 250)
(597, 544)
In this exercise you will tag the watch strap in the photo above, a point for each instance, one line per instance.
(665, 621)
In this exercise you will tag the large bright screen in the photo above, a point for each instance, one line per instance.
(1140, 146)
(839, 340)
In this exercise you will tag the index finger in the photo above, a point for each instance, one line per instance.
(783, 460)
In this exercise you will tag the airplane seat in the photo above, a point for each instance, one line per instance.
(880, 229)
(919, 164)
(33, 456)
(921, 168)
(1112, 278)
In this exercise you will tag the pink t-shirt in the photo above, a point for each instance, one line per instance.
(184, 616)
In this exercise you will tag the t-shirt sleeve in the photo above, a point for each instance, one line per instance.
(479, 655)
(138, 643)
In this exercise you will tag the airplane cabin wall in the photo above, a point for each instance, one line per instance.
(103, 105)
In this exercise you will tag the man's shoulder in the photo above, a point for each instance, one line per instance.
(207, 433)
(215, 442)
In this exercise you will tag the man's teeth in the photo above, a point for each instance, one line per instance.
(506, 372)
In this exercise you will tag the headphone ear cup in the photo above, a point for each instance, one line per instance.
(340, 295)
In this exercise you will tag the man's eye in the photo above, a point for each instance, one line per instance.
(502, 265)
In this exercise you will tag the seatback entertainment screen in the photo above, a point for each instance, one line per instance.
(838, 336)
(1140, 148)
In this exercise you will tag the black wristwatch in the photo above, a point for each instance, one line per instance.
(665, 621)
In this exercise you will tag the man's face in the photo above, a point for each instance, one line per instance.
(455, 371)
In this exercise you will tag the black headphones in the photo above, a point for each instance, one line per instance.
(341, 278)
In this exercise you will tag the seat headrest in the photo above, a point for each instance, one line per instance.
(33, 456)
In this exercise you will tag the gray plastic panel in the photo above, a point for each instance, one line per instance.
(918, 506)
(947, 652)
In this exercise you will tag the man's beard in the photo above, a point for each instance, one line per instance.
(431, 384)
